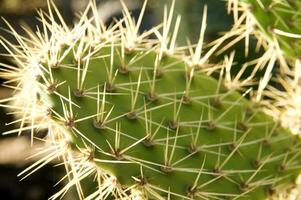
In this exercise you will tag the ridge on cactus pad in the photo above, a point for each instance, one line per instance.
(142, 120)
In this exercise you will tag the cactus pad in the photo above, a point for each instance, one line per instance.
(144, 122)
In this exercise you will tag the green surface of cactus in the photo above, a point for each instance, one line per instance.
(146, 117)
(185, 135)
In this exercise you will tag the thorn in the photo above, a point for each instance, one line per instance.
(78, 93)
(243, 186)
(282, 168)
(77, 61)
(257, 163)
(232, 146)
(265, 143)
(151, 96)
(51, 88)
(122, 69)
(134, 96)
(271, 191)
(109, 87)
(173, 125)
(98, 125)
(271, 29)
(70, 123)
(141, 181)
(116, 150)
(132, 115)
(148, 142)
(192, 148)
(117, 154)
(166, 168)
(186, 99)
(128, 51)
(55, 65)
(192, 191)
(210, 125)
(159, 73)
(90, 155)
(249, 111)
(216, 102)
(48, 112)
(216, 171)
(242, 126)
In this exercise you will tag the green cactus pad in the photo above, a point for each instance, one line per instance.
(207, 142)
(142, 116)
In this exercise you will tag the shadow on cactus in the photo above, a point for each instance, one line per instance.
(138, 118)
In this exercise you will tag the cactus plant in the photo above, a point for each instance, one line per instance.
(276, 25)
(139, 118)
(276, 22)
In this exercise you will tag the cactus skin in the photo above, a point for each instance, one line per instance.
(229, 126)
(156, 123)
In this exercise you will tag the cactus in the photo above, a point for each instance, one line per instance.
(137, 118)
(276, 25)
(273, 22)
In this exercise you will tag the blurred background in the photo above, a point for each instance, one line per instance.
(15, 151)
